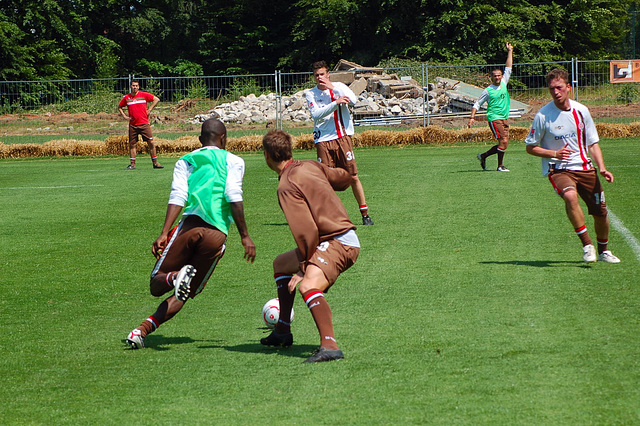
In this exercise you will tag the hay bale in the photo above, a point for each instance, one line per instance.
(4, 150)
(245, 143)
(518, 133)
(634, 129)
(302, 142)
(23, 150)
(437, 135)
(117, 145)
(610, 130)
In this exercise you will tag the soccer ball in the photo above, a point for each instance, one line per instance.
(271, 313)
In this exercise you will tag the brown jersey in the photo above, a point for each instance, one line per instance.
(306, 193)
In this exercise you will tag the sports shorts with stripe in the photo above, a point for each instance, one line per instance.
(586, 183)
(197, 243)
(338, 153)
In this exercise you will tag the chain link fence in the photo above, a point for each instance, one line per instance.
(184, 97)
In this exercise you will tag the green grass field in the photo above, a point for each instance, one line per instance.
(469, 303)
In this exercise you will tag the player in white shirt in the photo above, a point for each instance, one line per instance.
(328, 104)
(564, 135)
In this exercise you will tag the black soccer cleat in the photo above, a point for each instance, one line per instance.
(324, 354)
(158, 166)
(276, 339)
(483, 162)
(366, 220)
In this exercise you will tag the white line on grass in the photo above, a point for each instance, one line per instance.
(631, 240)
(52, 187)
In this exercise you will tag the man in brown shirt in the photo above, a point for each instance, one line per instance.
(326, 240)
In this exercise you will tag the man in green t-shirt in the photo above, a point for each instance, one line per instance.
(207, 189)
(498, 105)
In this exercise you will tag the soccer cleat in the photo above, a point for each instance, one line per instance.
(131, 167)
(589, 253)
(324, 354)
(503, 169)
(483, 162)
(366, 220)
(182, 282)
(158, 166)
(276, 339)
(135, 339)
(608, 257)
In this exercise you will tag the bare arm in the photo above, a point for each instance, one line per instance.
(160, 243)
(596, 155)
(539, 151)
(509, 62)
(153, 104)
(122, 113)
(237, 211)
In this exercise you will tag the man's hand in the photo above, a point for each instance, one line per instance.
(607, 175)
(325, 81)
(249, 249)
(158, 245)
(509, 46)
(294, 281)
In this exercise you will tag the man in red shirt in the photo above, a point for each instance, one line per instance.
(136, 103)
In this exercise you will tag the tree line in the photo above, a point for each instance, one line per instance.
(62, 39)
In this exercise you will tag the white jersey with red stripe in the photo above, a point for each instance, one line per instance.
(331, 121)
(554, 129)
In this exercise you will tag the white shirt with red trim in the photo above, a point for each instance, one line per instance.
(554, 129)
(331, 121)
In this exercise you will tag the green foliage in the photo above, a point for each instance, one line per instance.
(629, 92)
(92, 103)
(106, 58)
(197, 89)
(243, 86)
(179, 68)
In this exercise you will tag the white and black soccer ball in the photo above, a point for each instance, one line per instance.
(271, 313)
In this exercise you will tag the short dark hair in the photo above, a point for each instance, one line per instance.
(135, 80)
(558, 73)
(319, 64)
(278, 144)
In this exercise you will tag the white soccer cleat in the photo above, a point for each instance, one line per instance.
(607, 256)
(589, 253)
(182, 282)
(135, 339)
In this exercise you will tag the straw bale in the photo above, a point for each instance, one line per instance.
(518, 133)
(303, 142)
(181, 144)
(117, 145)
(634, 129)
(23, 150)
(438, 135)
(4, 150)
(245, 143)
(610, 130)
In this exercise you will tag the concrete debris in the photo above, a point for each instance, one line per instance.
(379, 95)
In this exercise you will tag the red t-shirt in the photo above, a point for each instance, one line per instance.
(137, 106)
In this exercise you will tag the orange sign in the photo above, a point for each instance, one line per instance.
(624, 71)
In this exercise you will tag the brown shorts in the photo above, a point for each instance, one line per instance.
(500, 128)
(586, 183)
(338, 153)
(196, 243)
(333, 258)
(143, 130)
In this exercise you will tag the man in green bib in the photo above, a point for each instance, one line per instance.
(498, 104)
(207, 188)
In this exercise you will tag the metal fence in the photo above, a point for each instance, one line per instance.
(590, 80)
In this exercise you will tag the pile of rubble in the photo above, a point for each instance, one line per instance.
(379, 95)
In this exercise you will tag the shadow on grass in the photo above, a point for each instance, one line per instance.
(158, 342)
(539, 263)
(295, 351)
